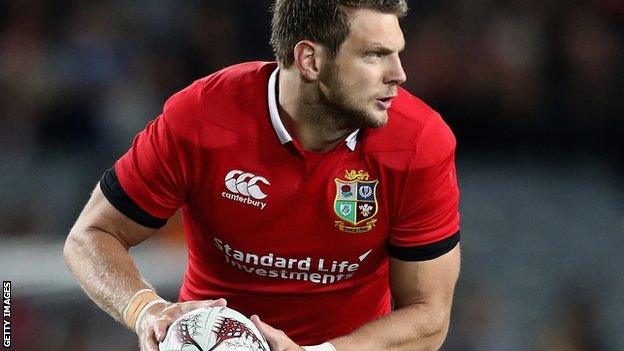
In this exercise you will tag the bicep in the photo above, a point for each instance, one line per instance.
(100, 215)
(430, 282)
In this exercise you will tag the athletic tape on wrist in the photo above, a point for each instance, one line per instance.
(140, 316)
(140, 301)
(326, 346)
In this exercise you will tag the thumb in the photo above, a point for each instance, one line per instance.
(264, 328)
(275, 338)
(258, 323)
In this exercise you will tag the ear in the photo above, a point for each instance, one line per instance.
(308, 59)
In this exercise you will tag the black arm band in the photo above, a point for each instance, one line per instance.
(121, 201)
(424, 252)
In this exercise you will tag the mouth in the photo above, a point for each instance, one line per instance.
(384, 103)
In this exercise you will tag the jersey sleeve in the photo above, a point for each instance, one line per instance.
(151, 181)
(427, 224)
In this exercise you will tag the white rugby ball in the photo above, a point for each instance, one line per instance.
(213, 329)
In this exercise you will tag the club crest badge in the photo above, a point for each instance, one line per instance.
(355, 203)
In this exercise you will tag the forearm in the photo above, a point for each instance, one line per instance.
(104, 269)
(412, 328)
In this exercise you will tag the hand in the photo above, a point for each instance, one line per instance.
(277, 339)
(152, 328)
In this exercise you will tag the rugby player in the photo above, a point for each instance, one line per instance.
(316, 193)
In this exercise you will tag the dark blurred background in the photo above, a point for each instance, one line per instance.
(534, 91)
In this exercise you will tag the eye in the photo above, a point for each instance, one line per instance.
(374, 56)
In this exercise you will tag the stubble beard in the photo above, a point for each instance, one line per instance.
(338, 110)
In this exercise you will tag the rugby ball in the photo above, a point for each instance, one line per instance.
(213, 329)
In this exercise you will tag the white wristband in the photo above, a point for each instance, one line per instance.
(326, 346)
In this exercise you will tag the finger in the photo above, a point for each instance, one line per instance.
(148, 341)
(143, 340)
(159, 328)
(189, 306)
(219, 302)
(151, 345)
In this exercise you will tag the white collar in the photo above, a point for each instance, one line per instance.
(276, 120)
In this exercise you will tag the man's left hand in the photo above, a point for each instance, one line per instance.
(277, 339)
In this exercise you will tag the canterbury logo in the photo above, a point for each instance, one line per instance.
(246, 184)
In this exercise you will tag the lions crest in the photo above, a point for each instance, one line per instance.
(356, 202)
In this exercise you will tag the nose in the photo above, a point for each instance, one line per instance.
(395, 73)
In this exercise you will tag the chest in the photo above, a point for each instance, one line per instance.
(261, 197)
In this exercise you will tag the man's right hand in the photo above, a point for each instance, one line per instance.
(152, 327)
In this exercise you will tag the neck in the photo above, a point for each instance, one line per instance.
(305, 118)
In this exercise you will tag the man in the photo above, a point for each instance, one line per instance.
(313, 193)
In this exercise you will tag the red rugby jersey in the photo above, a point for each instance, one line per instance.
(300, 238)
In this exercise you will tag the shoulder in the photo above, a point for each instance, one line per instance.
(230, 91)
(233, 78)
(415, 129)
